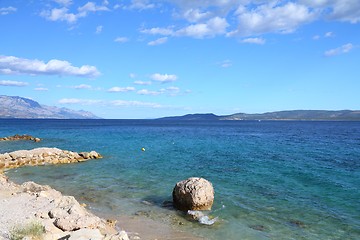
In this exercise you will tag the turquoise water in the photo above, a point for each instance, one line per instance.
(272, 180)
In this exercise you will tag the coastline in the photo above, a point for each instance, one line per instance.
(29, 202)
(20, 206)
(61, 216)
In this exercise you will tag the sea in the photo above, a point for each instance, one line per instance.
(272, 179)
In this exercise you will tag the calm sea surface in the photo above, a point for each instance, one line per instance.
(272, 180)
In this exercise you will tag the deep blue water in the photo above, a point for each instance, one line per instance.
(272, 180)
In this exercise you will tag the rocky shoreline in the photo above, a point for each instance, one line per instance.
(62, 217)
(43, 156)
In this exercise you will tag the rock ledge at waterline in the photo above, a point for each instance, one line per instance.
(17, 137)
(43, 156)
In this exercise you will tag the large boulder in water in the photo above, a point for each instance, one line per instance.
(193, 194)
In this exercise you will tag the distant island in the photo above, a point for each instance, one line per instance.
(19, 107)
(294, 115)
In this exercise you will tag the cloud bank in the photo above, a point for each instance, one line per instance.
(14, 65)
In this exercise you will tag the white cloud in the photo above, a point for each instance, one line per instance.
(63, 2)
(41, 89)
(329, 34)
(159, 31)
(124, 103)
(260, 41)
(59, 14)
(99, 29)
(254, 17)
(345, 10)
(148, 92)
(7, 10)
(340, 50)
(210, 28)
(116, 103)
(142, 83)
(15, 65)
(172, 91)
(163, 78)
(121, 89)
(132, 75)
(121, 39)
(79, 101)
(10, 83)
(140, 5)
(158, 41)
(62, 14)
(82, 86)
(225, 63)
(195, 15)
(338, 10)
(221, 5)
(214, 26)
(91, 7)
(316, 37)
(270, 18)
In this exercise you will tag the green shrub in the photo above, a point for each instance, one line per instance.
(34, 230)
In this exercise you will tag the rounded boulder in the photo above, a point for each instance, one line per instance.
(193, 194)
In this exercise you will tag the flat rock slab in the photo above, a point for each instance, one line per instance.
(43, 156)
(20, 137)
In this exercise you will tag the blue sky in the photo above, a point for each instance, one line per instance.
(148, 59)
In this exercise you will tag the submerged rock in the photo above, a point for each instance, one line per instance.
(193, 194)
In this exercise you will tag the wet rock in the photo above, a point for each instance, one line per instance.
(142, 213)
(193, 194)
(297, 223)
(258, 227)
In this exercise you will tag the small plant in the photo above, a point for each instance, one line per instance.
(34, 230)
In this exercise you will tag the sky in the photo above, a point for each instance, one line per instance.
(148, 59)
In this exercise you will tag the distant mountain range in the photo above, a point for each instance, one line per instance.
(299, 115)
(19, 107)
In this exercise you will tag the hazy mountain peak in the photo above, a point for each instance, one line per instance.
(19, 107)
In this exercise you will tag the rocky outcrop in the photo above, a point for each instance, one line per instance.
(43, 156)
(17, 137)
(193, 194)
(61, 216)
